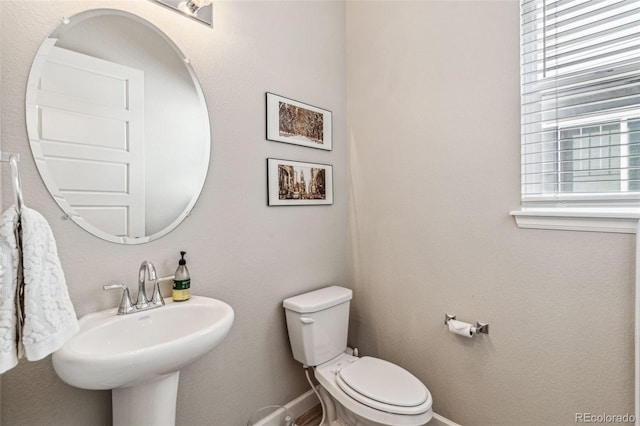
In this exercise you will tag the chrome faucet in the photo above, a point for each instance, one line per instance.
(146, 268)
(147, 271)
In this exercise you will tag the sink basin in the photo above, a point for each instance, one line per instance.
(112, 351)
(137, 351)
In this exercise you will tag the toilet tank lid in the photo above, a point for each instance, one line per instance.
(318, 300)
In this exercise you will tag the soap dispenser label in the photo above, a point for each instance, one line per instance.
(181, 289)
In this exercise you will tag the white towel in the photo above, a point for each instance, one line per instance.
(36, 314)
(9, 264)
(49, 317)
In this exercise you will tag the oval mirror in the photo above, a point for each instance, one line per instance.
(118, 126)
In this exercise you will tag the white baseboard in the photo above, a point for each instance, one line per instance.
(308, 400)
(438, 420)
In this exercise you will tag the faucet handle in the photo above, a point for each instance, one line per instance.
(156, 298)
(125, 304)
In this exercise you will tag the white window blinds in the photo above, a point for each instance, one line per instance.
(580, 107)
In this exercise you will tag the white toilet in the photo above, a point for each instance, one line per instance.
(356, 391)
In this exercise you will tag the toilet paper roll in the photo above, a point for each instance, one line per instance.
(462, 328)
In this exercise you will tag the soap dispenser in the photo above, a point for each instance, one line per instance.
(182, 281)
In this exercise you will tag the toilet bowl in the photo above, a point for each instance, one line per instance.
(371, 391)
(355, 391)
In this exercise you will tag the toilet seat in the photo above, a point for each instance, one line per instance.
(330, 373)
(383, 386)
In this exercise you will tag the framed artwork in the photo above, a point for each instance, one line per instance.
(297, 123)
(295, 183)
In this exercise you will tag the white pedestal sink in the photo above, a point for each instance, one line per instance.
(139, 356)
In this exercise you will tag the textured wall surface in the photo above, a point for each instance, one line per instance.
(240, 251)
(434, 170)
(433, 95)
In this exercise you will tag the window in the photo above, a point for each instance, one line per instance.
(580, 107)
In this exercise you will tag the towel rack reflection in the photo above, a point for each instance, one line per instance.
(13, 160)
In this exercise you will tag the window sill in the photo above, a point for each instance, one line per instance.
(625, 222)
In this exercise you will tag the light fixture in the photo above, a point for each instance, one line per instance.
(191, 7)
(200, 10)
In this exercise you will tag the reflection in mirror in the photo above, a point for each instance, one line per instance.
(118, 126)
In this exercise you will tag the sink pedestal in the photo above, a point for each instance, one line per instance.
(149, 403)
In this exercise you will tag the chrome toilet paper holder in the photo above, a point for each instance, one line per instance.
(481, 327)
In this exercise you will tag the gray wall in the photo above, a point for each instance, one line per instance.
(433, 94)
(240, 250)
(434, 163)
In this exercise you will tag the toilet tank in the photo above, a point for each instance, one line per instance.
(318, 322)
